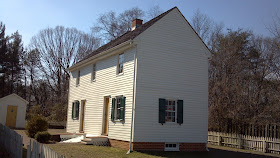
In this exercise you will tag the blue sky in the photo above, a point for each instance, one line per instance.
(30, 16)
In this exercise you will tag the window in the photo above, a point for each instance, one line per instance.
(93, 72)
(120, 63)
(75, 110)
(171, 147)
(170, 111)
(118, 108)
(78, 78)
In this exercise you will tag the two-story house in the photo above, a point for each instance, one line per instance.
(146, 90)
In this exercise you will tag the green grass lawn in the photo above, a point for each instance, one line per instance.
(88, 151)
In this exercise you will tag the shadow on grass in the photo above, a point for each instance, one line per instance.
(212, 153)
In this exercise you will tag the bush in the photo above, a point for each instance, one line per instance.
(43, 137)
(37, 123)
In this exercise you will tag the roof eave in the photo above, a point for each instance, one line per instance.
(85, 62)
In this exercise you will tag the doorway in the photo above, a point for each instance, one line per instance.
(82, 123)
(11, 117)
(105, 116)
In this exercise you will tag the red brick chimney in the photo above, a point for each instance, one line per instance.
(136, 23)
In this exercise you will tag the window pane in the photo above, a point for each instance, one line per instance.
(93, 72)
(120, 68)
(170, 111)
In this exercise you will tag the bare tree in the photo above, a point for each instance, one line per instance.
(58, 48)
(202, 24)
(110, 26)
(274, 28)
(153, 12)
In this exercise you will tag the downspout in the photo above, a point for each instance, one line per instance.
(133, 101)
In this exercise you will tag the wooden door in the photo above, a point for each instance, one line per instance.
(106, 119)
(83, 116)
(11, 118)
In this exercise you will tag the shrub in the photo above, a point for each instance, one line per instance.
(37, 123)
(43, 137)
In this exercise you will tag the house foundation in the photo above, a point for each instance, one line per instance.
(155, 146)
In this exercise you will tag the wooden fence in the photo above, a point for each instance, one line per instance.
(38, 150)
(11, 141)
(268, 130)
(262, 144)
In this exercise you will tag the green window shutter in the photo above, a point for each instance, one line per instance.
(113, 109)
(77, 109)
(73, 107)
(180, 111)
(161, 110)
(122, 108)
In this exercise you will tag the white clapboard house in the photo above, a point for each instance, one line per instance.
(146, 90)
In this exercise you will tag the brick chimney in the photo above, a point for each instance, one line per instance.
(136, 23)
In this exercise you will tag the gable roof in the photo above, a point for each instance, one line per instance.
(130, 35)
(14, 95)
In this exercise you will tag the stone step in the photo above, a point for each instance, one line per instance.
(98, 141)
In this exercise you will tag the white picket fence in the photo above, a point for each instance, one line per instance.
(11, 141)
(38, 150)
(262, 144)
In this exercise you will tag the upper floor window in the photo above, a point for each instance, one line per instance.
(93, 72)
(78, 78)
(120, 63)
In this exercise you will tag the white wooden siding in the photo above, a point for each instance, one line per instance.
(21, 109)
(106, 83)
(172, 63)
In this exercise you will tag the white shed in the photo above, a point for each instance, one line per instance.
(13, 111)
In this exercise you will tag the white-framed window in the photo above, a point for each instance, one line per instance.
(170, 110)
(93, 73)
(171, 147)
(120, 63)
(78, 78)
(118, 108)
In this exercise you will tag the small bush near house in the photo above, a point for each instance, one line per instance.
(37, 123)
(43, 137)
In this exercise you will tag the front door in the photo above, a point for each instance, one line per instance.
(11, 117)
(82, 116)
(105, 118)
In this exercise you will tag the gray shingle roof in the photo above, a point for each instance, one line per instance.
(129, 35)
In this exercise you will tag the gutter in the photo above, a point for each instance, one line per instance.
(133, 101)
(121, 46)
